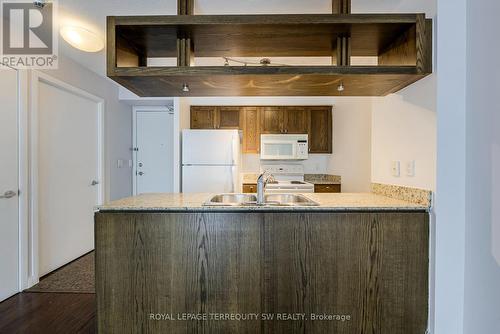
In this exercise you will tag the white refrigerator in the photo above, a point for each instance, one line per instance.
(210, 161)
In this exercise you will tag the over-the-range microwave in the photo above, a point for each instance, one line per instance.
(284, 147)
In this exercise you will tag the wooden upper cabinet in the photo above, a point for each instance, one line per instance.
(320, 129)
(203, 117)
(228, 118)
(254, 121)
(250, 124)
(271, 119)
(296, 120)
(283, 120)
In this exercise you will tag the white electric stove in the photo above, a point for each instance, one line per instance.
(289, 179)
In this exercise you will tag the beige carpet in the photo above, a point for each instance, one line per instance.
(75, 277)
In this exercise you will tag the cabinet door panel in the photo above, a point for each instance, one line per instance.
(363, 265)
(327, 188)
(203, 117)
(320, 130)
(296, 120)
(250, 118)
(249, 188)
(228, 118)
(271, 120)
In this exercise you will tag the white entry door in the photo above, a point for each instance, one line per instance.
(69, 173)
(9, 184)
(154, 151)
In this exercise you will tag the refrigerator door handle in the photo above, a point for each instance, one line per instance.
(233, 149)
(233, 186)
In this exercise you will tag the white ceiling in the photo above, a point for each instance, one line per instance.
(92, 14)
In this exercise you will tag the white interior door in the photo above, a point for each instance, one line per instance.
(68, 174)
(9, 184)
(153, 158)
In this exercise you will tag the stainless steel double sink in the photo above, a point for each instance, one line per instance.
(251, 200)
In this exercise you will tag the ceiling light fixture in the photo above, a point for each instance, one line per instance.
(39, 3)
(265, 61)
(185, 87)
(341, 87)
(82, 39)
(261, 62)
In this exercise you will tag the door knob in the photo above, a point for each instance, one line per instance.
(9, 194)
(140, 164)
(141, 173)
(94, 183)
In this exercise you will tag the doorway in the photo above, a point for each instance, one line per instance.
(153, 158)
(9, 182)
(68, 155)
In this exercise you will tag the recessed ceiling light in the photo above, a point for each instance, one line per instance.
(82, 39)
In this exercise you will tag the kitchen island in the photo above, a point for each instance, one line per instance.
(357, 263)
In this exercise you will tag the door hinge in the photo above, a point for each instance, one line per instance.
(135, 149)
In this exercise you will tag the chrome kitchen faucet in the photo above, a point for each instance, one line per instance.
(262, 181)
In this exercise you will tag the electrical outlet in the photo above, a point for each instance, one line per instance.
(410, 168)
(396, 168)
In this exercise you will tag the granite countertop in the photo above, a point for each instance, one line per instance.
(322, 179)
(249, 178)
(328, 202)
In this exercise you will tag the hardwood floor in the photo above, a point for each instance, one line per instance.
(53, 313)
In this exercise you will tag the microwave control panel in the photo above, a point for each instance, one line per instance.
(302, 149)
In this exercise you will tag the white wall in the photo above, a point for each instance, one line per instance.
(404, 124)
(351, 135)
(118, 121)
(450, 189)
(404, 130)
(298, 6)
(482, 233)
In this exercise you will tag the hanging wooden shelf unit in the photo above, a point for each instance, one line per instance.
(401, 44)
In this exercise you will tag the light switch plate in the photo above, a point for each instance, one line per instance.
(410, 168)
(119, 163)
(396, 169)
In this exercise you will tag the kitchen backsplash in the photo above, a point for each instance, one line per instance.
(316, 164)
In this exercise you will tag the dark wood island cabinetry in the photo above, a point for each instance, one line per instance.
(312, 270)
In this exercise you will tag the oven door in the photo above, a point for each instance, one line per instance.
(278, 150)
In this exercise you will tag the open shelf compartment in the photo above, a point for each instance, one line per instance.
(400, 43)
